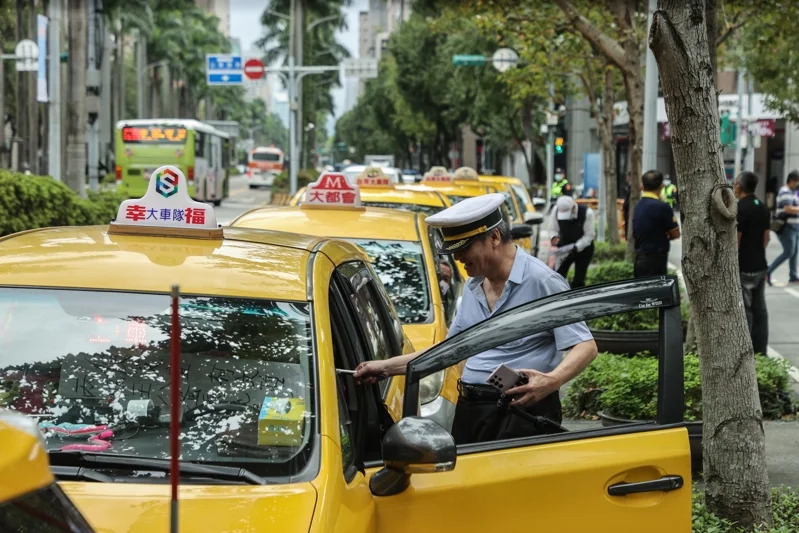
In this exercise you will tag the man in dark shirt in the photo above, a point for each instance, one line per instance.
(654, 226)
(753, 236)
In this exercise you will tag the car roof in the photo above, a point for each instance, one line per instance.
(246, 263)
(347, 223)
(456, 189)
(401, 195)
(500, 179)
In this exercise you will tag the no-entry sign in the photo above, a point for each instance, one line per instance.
(254, 69)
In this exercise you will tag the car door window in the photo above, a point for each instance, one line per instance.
(362, 416)
(449, 290)
(372, 313)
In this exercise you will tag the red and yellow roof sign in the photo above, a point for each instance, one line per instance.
(437, 175)
(373, 177)
(332, 189)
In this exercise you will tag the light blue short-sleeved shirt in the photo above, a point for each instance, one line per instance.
(530, 279)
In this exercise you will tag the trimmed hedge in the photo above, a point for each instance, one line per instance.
(627, 387)
(28, 202)
(304, 177)
(605, 252)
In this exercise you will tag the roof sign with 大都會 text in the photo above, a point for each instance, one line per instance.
(332, 189)
(373, 177)
(166, 204)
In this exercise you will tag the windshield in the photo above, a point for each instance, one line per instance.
(104, 364)
(401, 267)
(265, 156)
(521, 196)
(153, 134)
(416, 208)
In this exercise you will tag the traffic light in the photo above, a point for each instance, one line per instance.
(558, 145)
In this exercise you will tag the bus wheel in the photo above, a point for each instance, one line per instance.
(217, 202)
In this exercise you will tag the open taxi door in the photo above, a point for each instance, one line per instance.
(634, 477)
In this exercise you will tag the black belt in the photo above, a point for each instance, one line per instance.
(472, 391)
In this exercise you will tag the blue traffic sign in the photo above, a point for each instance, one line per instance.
(223, 69)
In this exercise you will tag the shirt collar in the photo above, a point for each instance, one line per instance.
(516, 272)
(650, 194)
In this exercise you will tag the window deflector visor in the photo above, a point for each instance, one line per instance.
(566, 308)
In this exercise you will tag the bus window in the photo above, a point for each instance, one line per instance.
(199, 144)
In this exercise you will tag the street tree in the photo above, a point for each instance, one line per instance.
(625, 52)
(77, 118)
(736, 479)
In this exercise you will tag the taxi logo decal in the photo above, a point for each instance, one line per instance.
(166, 183)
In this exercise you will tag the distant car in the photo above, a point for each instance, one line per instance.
(263, 164)
(411, 175)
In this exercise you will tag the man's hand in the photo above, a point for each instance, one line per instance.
(538, 387)
(371, 371)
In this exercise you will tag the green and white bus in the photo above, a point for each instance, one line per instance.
(201, 151)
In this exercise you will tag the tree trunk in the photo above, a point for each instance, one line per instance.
(634, 87)
(121, 113)
(76, 103)
(605, 122)
(736, 479)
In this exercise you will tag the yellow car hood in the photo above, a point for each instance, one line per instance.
(144, 508)
(422, 335)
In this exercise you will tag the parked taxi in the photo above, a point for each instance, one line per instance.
(30, 499)
(275, 434)
(521, 204)
(267, 319)
(402, 248)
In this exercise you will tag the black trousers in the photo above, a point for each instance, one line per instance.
(581, 260)
(650, 264)
(753, 286)
(482, 420)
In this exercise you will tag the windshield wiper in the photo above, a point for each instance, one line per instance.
(231, 473)
(79, 473)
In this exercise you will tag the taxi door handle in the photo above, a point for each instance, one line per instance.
(664, 484)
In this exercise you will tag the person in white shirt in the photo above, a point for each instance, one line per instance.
(575, 241)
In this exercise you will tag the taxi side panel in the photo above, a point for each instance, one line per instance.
(558, 486)
(340, 506)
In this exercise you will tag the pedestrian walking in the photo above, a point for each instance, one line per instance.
(787, 218)
(575, 227)
(753, 236)
(654, 226)
(502, 276)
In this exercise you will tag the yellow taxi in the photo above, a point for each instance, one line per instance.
(402, 249)
(520, 205)
(428, 202)
(274, 433)
(30, 499)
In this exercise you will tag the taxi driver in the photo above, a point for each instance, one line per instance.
(502, 276)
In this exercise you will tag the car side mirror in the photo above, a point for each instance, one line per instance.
(412, 445)
(539, 203)
(521, 231)
(533, 218)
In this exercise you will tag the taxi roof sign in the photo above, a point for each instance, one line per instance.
(166, 209)
(332, 189)
(437, 175)
(466, 173)
(373, 177)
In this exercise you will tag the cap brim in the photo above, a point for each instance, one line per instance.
(451, 247)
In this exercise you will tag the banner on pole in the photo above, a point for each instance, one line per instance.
(41, 71)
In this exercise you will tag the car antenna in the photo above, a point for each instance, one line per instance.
(174, 408)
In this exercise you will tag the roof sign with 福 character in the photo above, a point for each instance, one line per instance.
(332, 189)
(166, 209)
(437, 175)
(373, 177)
